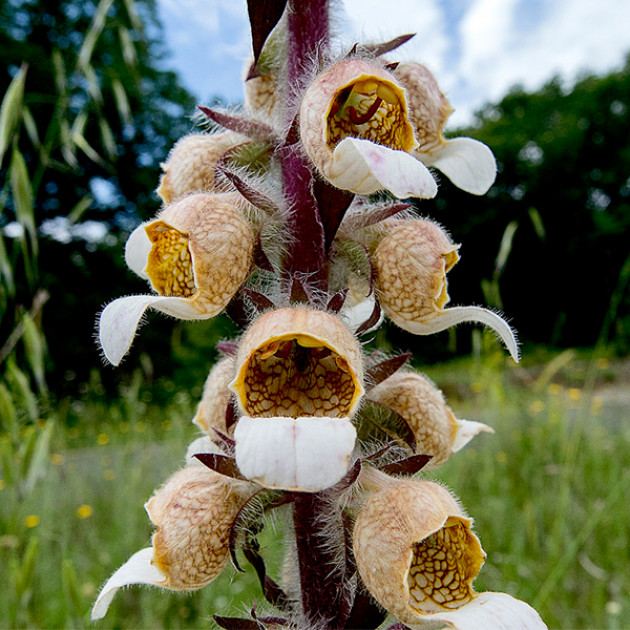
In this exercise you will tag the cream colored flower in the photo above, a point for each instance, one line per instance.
(354, 127)
(215, 399)
(418, 557)
(468, 163)
(411, 263)
(421, 404)
(261, 95)
(196, 254)
(190, 166)
(193, 513)
(299, 380)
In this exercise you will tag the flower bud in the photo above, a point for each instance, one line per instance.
(468, 163)
(216, 395)
(193, 513)
(411, 263)
(196, 255)
(190, 166)
(421, 405)
(354, 128)
(260, 95)
(299, 378)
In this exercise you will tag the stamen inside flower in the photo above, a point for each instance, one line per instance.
(441, 570)
(169, 265)
(295, 376)
(371, 109)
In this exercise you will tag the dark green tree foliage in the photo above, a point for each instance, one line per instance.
(564, 168)
(106, 116)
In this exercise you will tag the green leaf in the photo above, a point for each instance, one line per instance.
(27, 566)
(23, 197)
(35, 349)
(79, 209)
(122, 102)
(71, 587)
(93, 33)
(109, 142)
(36, 468)
(11, 110)
(8, 412)
(6, 269)
(21, 388)
(128, 49)
(31, 127)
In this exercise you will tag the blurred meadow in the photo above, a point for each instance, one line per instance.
(87, 115)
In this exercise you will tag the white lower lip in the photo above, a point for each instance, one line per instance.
(300, 454)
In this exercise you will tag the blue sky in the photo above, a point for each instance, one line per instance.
(477, 49)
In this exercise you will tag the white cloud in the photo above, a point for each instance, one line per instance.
(376, 21)
(478, 49)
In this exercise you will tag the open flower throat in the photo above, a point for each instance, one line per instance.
(440, 574)
(296, 363)
(371, 109)
(169, 265)
(298, 376)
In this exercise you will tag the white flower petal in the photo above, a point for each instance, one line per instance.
(201, 445)
(120, 319)
(468, 163)
(137, 570)
(466, 431)
(458, 315)
(137, 250)
(490, 611)
(357, 314)
(365, 167)
(304, 454)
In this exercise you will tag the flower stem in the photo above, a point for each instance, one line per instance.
(324, 596)
(307, 26)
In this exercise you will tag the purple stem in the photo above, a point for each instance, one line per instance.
(321, 579)
(307, 23)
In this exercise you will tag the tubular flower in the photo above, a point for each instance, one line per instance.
(354, 127)
(216, 395)
(190, 166)
(421, 404)
(196, 254)
(299, 379)
(468, 163)
(260, 95)
(417, 555)
(411, 263)
(193, 513)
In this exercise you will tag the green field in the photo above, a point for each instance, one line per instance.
(548, 492)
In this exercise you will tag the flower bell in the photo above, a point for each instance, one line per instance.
(191, 164)
(411, 263)
(354, 126)
(215, 399)
(418, 556)
(196, 254)
(468, 163)
(299, 380)
(193, 513)
(421, 404)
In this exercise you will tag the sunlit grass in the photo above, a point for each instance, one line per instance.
(548, 492)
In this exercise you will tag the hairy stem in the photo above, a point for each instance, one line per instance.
(324, 594)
